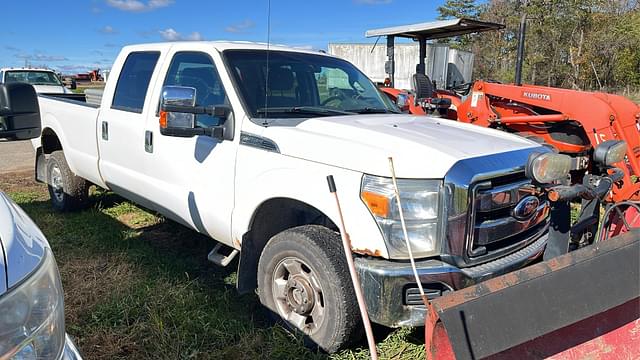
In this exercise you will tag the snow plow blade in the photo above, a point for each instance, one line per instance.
(550, 309)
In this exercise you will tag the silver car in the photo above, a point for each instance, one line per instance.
(31, 297)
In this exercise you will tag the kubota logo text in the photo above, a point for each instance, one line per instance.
(537, 96)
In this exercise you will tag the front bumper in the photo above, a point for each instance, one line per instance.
(385, 282)
(70, 351)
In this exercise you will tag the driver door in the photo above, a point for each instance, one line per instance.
(194, 176)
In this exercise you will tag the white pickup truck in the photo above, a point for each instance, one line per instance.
(235, 140)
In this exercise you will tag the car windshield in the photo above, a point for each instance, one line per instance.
(303, 85)
(32, 77)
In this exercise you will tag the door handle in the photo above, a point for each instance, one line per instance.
(105, 130)
(148, 141)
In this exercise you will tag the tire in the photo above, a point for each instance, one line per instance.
(309, 264)
(68, 192)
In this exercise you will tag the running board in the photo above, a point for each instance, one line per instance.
(222, 254)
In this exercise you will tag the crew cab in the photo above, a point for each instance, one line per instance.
(43, 80)
(235, 140)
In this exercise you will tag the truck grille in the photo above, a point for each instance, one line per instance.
(504, 217)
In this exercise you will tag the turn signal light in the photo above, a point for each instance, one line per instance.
(163, 119)
(378, 204)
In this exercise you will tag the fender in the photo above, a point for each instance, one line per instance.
(309, 186)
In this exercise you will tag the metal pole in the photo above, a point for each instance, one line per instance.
(346, 244)
(390, 65)
(421, 69)
(521, 36)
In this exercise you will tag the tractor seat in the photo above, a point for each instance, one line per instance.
(425, 96)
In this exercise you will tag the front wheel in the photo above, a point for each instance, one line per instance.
(303, 278)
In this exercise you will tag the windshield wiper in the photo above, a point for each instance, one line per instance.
(304, 110)
(372, 111)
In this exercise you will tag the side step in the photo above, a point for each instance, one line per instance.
(222, 255)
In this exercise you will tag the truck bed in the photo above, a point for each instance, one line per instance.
(74, 121)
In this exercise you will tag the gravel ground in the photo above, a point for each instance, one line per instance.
(16, 156)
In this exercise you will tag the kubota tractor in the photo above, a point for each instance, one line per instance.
(570, 121)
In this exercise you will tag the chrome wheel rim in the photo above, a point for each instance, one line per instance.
(55, 182)
(298, 295)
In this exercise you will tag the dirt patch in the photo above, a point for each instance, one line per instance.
(22, 181)
(16, 156)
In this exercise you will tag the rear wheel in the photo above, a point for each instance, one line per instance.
(68, 192)
(303, 278)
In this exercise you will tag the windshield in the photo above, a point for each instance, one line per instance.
(302, 85)
(32, 77)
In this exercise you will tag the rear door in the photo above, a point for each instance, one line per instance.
(121, 124)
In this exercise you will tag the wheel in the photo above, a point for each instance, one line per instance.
(304, 279)
(68, 192)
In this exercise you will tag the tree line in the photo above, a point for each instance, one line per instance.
(579, 44)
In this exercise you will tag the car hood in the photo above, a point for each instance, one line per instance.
(50, 89)
(21, 242)
(421, 146)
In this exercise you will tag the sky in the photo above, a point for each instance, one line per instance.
(74, 36)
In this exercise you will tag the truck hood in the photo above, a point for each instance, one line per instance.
(421, 146)
(21, 242)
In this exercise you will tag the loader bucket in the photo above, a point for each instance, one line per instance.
(576, 305)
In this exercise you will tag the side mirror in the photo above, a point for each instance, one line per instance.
(19, 112)
(178, 112)
(403, 102)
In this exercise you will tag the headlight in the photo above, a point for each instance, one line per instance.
(420, 204)
(610, 152)
(548, 167)
(32, 315)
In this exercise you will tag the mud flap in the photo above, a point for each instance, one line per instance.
(502, 313)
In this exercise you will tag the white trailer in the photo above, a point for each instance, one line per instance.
(446, 66)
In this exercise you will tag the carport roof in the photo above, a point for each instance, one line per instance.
(436, 29)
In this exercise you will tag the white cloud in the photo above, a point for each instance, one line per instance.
(41, 57)
(108, 30)
(138, 5)
(171, 34)
(241, 27)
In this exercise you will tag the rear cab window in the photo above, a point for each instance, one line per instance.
(133, 82)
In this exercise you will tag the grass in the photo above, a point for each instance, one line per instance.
(138, 286)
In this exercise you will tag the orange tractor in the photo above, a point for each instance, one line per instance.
(576, 304)
(573, 122)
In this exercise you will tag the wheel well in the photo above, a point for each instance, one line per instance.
(272, 217)
(50, 141)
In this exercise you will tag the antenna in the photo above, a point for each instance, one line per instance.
(266, 79)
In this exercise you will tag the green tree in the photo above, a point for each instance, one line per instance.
(458, 9)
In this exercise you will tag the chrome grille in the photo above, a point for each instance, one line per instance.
(493, 230)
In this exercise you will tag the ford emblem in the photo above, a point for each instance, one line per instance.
(525, 209)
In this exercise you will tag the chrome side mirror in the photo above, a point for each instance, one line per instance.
(174, 98)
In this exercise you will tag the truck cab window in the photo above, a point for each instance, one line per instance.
(196, 70)
(131, 89)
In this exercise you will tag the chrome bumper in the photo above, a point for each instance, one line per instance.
(384, 282)
(70, 351)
